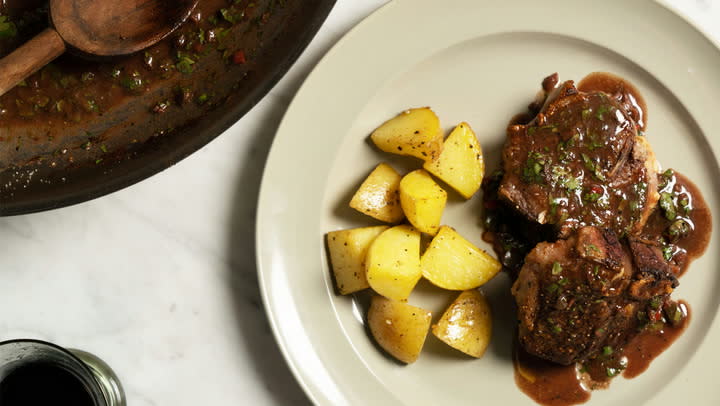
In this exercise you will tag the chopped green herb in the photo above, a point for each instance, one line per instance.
(92, 106)
(66, 81)
(550, 127)
(600, 113)
(201, 36)
(668, 252)
(532, 172)
(132, 82)
(640, 188)
(8, 29)
(185, 65)
(585, 114)
(571, 142)
(556, 328)
(592, 197)
(590, 248)
(674, 314)
(656, 326)
(203, 98)
(232, 15)
(562, 176)
(594, 142)
(678, 229)
(667, 205)
(589, 164)
(655, 302)
(607, 350)
(556, 268)
(611, 372)
(553, 287)
(684, 204)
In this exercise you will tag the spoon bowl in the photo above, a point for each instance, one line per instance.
(95, 29)
(116, 27)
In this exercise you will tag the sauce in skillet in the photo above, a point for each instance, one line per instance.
(78, 114)
(72, 89)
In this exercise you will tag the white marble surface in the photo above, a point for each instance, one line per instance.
(159, 279)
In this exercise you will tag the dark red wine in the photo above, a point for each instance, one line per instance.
(43, 384)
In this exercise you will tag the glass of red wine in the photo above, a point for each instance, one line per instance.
(34, 372)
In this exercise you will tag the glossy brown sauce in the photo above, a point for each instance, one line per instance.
(699, 219)
(513, 236)
(548, 383)
(621, 90)
(552, 384)
(642, 349)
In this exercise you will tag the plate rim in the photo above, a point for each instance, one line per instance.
(319, 396)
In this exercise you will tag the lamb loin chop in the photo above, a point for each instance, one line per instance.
(579, 295)
(580, 162)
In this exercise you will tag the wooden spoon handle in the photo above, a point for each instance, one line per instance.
(29, 58)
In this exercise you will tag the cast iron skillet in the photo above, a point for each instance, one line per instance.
(55, 167)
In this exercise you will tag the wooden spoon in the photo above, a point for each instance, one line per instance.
(95, 29)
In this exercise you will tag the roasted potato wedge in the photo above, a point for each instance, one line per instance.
(399, 328)
(393, 262)
(423, 201)
(467, 324)
(348, 249)
(414, 132)
(454, 263)
(378, 196)
(460, 164)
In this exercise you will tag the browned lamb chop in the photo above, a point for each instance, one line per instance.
(579, 295)
(580, 162)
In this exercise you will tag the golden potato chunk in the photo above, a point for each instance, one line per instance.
(460, 164)
(414, 132)
(399, 328)
(378, 196)
(393, 262)
(467, 324)
(348, 249)
(452, 262)
(423, 201)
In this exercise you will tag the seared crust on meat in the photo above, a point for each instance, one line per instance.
(578, 295)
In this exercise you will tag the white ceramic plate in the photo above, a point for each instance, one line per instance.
(482, 62)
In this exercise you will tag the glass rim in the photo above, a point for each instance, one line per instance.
(81, 364)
